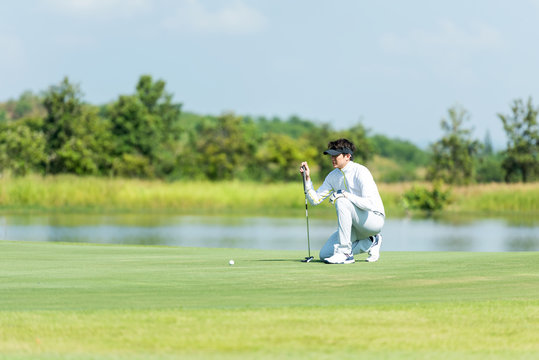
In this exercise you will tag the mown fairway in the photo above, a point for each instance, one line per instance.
(75, 301)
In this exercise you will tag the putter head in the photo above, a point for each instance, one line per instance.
(308, 259)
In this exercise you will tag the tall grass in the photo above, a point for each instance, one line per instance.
(72, 192)
(68, 192)
(497, 198)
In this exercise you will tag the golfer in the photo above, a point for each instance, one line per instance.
(360, 211)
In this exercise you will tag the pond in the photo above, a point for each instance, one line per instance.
(400, 234)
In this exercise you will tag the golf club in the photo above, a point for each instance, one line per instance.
(308, 258)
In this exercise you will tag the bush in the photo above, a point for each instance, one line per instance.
(429, 200)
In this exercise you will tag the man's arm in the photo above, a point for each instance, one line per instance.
(364, 203)
(315, 197)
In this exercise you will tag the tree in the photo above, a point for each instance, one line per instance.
(88, 150)
(22, 147)
(521, 160)
(223, 148)
(488, 163)
(279, 155)
(78, 141)
(488, 148)
(27, 105)
(64, 107)
(453, 155)
(145, 127)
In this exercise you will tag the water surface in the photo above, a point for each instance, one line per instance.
(265, 232)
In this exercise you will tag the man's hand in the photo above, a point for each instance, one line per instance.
(335, 195)
(304, 168)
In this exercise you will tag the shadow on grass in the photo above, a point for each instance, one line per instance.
(290, 260)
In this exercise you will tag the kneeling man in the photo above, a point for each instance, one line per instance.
(360, 211)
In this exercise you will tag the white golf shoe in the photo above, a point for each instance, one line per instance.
(340, 258)
(374, 251)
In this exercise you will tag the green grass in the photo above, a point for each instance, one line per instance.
(493, 198)
(87, 193)
(72, 193)
(74, 301)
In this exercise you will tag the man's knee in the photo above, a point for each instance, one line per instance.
(343, 204)
(328, 248)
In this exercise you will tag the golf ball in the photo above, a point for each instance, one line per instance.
(231, 262)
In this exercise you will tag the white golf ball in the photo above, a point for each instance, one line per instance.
(231, 262)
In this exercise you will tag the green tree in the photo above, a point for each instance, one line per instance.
(488, 163)
(134, 129)
(223, 148)
(318, 139)
(453, 155)
(22, 147)
(145, 127)
(402, 151)
(278, 157)
(488, 148)
(489, 168)
(28, 105)
(294, 126)
(77, 139)
(88, 150)
(64, 107)
(521, 160)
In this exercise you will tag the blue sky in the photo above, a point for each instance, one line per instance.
(396, 66)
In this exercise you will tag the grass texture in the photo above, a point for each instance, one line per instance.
(75, 301)
(103, 194)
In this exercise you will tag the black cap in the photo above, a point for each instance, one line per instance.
(335, 152)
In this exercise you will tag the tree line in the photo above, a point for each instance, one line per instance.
(146, 135)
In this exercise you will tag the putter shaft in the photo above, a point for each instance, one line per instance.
(306, 214)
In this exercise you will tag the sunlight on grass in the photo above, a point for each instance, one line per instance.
(76, 301)
(490, 328)
(71, 192)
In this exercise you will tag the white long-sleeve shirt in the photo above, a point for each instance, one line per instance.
(356, 181)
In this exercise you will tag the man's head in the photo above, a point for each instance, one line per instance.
(341, 152)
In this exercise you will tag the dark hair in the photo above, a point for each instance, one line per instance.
(345, 146)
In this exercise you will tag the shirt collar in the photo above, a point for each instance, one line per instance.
(348, 166)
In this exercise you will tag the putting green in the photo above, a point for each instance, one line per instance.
(76, 301)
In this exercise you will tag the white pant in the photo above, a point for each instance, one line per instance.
(354, 228)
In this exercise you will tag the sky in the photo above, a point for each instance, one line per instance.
(395, 66)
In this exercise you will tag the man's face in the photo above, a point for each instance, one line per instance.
(340, 161)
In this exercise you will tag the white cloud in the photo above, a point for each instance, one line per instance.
(447, 39)
(99, 8)
(234, 18)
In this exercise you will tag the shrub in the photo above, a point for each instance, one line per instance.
(429, 200)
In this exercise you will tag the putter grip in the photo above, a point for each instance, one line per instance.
(304, 179)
